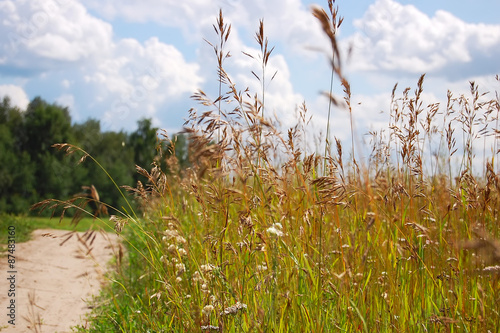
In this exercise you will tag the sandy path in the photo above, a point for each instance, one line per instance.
(61, 278)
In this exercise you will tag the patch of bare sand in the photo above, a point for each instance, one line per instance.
(60, 279)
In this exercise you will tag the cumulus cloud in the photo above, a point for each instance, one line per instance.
(190, 16)
(401, 38)
(123, 79)
(68, 100)
(140, 78)
(287, 22)
(126, 79)
(16, 94)
(46, 34)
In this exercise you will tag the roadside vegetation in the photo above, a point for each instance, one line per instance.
(259, 234)
(26, 224)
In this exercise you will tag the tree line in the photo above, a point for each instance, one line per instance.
(32, 170)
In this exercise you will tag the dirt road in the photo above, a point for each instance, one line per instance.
(58, 279)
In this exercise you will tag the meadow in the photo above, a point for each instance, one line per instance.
(260, 234)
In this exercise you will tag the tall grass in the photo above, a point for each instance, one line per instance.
(262, 235)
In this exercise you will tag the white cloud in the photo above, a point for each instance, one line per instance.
(16, 94)
(66, 100)
(127, 79)
(123, 79)
(139, 78)
(288, 22)
(400, 38)
(42, 34)
(189, 16)
(66, 83)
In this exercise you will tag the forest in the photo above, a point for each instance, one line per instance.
(31, 169)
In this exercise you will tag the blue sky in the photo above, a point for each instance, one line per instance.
(122, 60)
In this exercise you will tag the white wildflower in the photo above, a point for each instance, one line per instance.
(181, 268)
(491, 269)
(234, 309)
(207, 310)
(262, 268)
(207, 268)
(275, 230)
(181, 240)
(197, 277)
(210, 328)
(171, 248)
(173, 235)
(204, 289)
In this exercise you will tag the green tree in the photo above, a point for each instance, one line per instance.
(144, 143)
(16, 170)
(44, 125)
(110, 149)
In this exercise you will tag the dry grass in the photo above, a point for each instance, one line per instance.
(261, 235)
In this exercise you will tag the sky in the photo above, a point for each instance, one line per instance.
(122, 60)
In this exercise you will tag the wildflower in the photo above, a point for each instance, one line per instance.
(197, 277)
(181, 268)
(260, 247)
(173, 235)
(234, 309)
(210, 328)
(171, 248)
(275, 230)
(262, 267)
(182, 252)
(207, 310)
(491, 269)
(178, 279)
(180, 240)
(204, 289)
(207, 268)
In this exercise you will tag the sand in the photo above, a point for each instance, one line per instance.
(60, 279)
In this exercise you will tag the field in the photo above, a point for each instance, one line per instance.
(262, 235)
